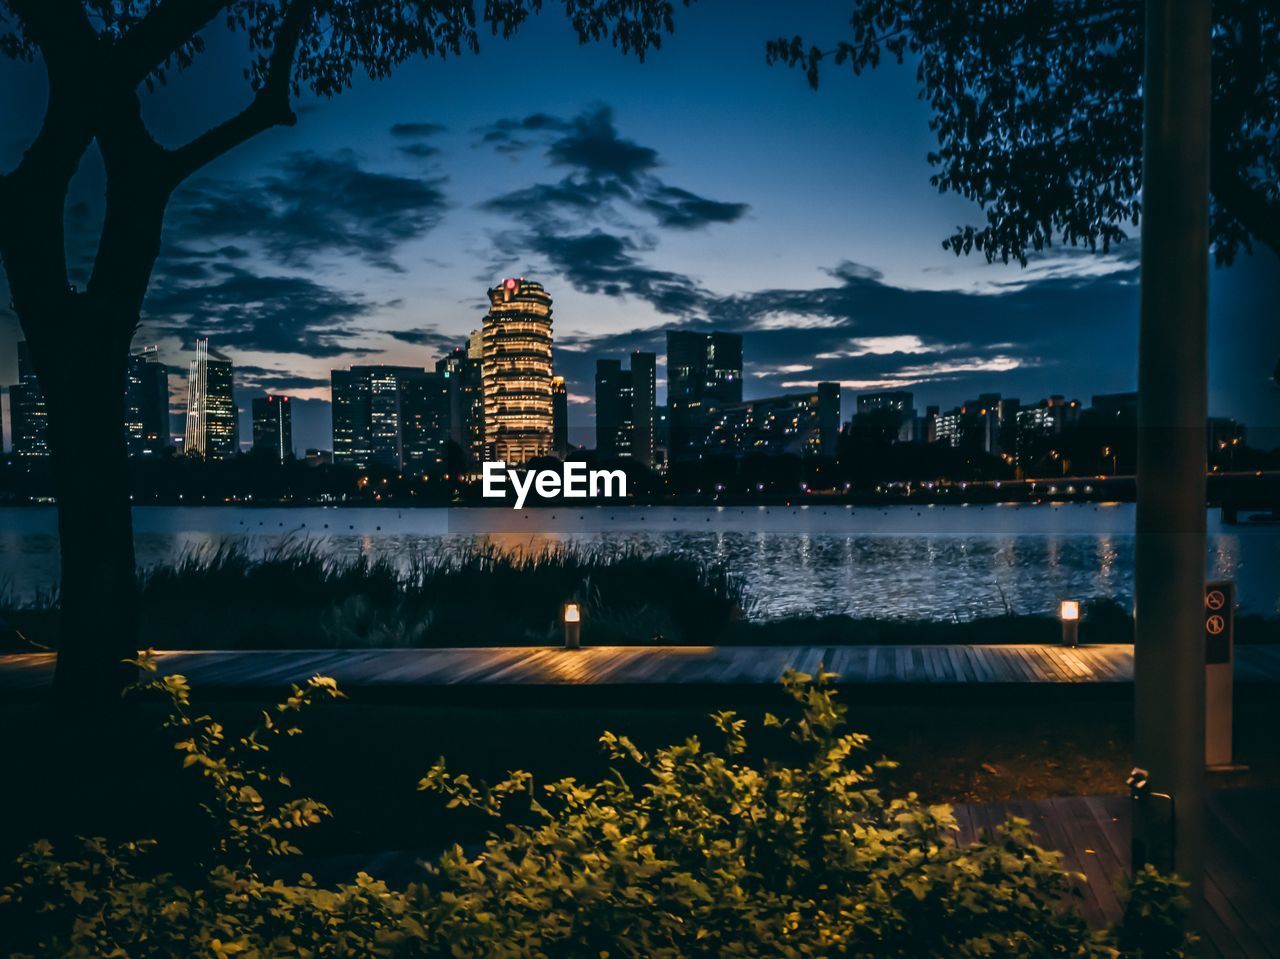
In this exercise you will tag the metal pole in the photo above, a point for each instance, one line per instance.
(1169, 670)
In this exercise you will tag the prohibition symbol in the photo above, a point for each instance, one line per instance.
(1215, 624)
(1215, 599)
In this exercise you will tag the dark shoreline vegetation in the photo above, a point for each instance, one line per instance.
(297, 596)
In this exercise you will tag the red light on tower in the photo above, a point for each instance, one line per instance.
(509, 283)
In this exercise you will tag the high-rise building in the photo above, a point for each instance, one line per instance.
(898, 405)
(704, 373)
(384, 414)
(464, 380)
(625, 408)
(349, 408)
(273, 427)
(424, 422)
(28, 414)
(559, 417)
(802, 424)
(368, 407)
(212, 429)
(614, 396)
(147, 425)
(644, 397)
(517, 372)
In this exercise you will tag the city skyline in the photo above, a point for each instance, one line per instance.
(407, 417)
(805, 222)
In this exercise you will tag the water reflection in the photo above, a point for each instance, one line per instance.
(940, 562)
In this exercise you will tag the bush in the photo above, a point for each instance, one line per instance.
(687, 851)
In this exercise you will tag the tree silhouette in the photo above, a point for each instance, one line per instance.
(1037, 109)
(100, 58)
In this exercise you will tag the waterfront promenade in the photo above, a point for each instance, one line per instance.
(614, 667)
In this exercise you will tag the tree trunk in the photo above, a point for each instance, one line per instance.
(83, 379)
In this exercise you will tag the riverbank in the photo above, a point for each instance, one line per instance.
(299, 595)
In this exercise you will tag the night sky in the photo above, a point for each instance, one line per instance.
(701, 189)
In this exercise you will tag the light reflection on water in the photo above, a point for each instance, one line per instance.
(942, 562)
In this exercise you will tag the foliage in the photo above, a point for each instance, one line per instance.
(300, 593)
(687, 851)
(1037, 109)
(1154, 916)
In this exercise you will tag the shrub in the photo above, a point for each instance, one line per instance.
(686, 851)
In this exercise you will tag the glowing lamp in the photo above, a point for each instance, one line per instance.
(1069, 613)
(572, 626)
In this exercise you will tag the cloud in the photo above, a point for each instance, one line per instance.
(441, 342)
(270, 380)
(596, 224)
(240, 309)
(867, 334)
(679, 209)
(310, 205)
(419, 129)
(419, 132)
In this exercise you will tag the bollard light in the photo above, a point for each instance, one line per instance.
(572, 626)
(1069, 613)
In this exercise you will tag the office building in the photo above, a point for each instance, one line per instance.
(349, 409)
(212, 426)
(516, 339)
(273, 427)
(626, 411)
(644, 400)
(704, 373)
(614, 400)
(396, 417)
(462, 370)
(559, 417)
(799, 424)
(1047, 418)
(891, 406)
(28, 413)
(147, 426)
(424, 423)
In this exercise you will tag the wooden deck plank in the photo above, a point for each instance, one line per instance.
(1243, 914)
(649, 665)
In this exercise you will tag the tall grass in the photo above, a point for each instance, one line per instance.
(298, 595)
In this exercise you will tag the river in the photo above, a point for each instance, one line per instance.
(938, 562)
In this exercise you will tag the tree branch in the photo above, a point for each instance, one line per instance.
(160, 34)
(1249, 204)
(269, 108)
(136, 195)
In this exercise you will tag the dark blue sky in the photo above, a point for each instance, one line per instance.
(701, 188)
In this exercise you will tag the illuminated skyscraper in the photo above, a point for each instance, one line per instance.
(390, 416)
(559, 417)
(273, 427)
(517, 372)
(704, 373)
(462, 370)
(146, 404)
(212, 430)
(27, 412)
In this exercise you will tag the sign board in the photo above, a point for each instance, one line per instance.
(1219, 671)
(1219, 621)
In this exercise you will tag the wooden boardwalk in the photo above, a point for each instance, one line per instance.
(648, 666)
(1242, 918)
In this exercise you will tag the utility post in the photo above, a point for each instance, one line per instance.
(1169, 668)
